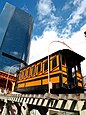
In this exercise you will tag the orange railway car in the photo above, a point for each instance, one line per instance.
(65, 74)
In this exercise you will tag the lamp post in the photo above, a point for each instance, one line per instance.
(9, 74)
(49, 83)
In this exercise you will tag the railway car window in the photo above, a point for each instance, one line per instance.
(73, 72)
(20, 75)
(45, 65)
(28, 71)
(78, 68)
(54, 62)
(39, 67)
(17, 75)
(33, 70)
(24, 73)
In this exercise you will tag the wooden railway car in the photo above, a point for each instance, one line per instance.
(65, 74)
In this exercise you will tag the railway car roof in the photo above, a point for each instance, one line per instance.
(72, 55)
(69, 54)
(72, 58)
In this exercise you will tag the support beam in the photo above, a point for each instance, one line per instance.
(25, 110)
(83, 112)
(43, 111)
(5, 110)
(12, 109)
(18, 108)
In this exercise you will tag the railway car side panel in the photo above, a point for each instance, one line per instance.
(37, 77)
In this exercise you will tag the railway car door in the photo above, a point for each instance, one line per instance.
(74, 78)
(71, 77)
(71, 61)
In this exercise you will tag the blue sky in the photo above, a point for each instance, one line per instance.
(63, 20)
(63, 16)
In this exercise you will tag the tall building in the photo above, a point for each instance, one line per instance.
(15, 36)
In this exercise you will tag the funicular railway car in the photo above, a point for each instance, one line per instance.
(65, 74)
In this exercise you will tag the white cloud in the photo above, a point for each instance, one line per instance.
(46, 14)
(66, 31)
(77, 15)
(45, 7)
(83, 27)
(76, 2)
(67, 5)
(40, 45)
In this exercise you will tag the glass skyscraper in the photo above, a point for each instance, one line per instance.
(15, 36)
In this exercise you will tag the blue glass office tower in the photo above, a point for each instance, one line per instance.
(15, 35)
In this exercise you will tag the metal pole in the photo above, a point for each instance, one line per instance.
(48, 74)
(49, 62)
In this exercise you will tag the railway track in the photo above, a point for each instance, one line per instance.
(64, 102)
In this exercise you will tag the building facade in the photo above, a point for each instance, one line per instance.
(6, 84)
(15, 36)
